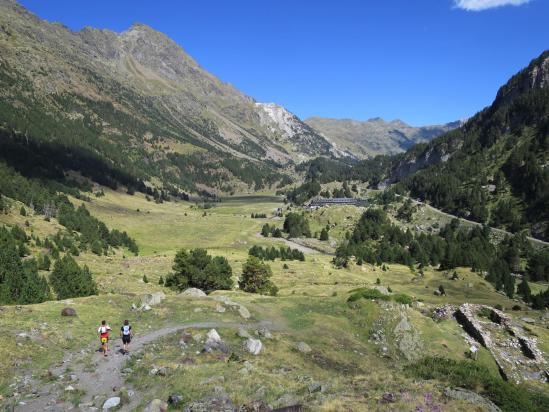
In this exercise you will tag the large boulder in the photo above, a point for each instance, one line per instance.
(193, 293)
(253, 346)
(68, 312)
(382, 289)
(214, 342)
(151, 299)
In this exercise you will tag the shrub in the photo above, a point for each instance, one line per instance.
(324, 234)
(402, 298)
(145, 279)
(366, 293)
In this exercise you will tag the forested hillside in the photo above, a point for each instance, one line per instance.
(492, 170)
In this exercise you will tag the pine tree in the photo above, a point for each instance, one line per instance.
(256, 277)
(324, 234)
(524, 290)
(265, 230)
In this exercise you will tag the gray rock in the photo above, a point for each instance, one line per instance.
(111, 403)
(382, 289)
(158, 371)
(152, 299)
(265, 333)
(253, 346)
(244, 312)
(528, 320)
(303, 347)
(192, 293)
(288, 400)
(219, 402)
(403, 325)
(220, 308)
(315, 387)
(388, 397)
(212, 337)
(70, 389)
(156, 405)
(174, 399)
(68, 312)
(146, 308)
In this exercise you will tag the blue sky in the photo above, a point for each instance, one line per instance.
(423, 61)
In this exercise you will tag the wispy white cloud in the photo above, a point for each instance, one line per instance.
(478, 5)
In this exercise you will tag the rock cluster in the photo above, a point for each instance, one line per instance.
(515, 353)
(443, 312)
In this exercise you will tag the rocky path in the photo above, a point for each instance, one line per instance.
(107, 377)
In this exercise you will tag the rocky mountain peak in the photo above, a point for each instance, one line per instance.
(535, 76)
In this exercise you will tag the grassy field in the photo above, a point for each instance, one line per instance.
(353, 368)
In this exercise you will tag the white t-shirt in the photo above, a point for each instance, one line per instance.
(104, 329)
(473, 349)
(126, 330)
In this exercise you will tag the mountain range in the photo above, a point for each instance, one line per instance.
(376, 136)
(137, 102)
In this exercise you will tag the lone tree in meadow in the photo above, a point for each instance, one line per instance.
(324, 234)
(70, 280)
(197, 269)
(256, 277)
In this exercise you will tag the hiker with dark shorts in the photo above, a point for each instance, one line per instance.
(126, 335)
(103, 333)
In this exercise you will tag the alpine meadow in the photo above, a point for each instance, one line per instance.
(169, 243)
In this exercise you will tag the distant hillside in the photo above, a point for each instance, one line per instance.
(375, 136)
(494, 168)
(138, 103)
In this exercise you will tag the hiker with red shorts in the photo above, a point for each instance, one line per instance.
(103, 333)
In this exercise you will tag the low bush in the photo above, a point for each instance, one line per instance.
(472, 376)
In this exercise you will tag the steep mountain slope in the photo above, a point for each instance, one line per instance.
(494, 168)
(376, 136)
(137, 101)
